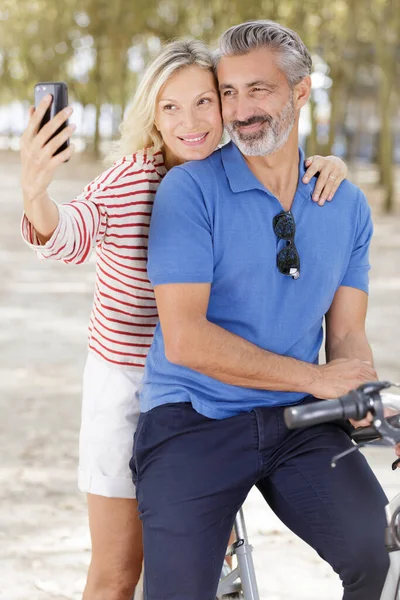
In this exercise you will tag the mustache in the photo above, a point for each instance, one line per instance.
(252, 121)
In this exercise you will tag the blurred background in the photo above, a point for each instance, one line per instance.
(100, 49)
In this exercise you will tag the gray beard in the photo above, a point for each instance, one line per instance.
(267, 141)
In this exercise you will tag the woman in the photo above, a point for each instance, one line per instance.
(175, 117)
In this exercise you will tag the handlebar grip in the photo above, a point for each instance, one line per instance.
(322, 411)
(353, 405)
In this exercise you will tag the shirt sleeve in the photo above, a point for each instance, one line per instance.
(82, 222)
(357, 273)
(180, 239)
(81, 226)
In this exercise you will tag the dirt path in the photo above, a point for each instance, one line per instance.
(44, 308)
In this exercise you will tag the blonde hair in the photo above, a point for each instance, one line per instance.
(138, 130)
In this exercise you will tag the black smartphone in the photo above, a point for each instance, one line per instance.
(59, 91)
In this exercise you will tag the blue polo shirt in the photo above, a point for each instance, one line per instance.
(212, 223)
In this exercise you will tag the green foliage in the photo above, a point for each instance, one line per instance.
(99, 47)
(41, 40)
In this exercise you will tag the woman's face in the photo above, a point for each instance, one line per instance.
(188, 115)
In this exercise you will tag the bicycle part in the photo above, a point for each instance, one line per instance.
(370, 433)
(354, 405)
(391, 588)
(245, 560)
(239, 583)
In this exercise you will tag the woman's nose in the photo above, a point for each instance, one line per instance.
(190, 119)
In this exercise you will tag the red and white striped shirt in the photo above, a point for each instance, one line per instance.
(113, 214)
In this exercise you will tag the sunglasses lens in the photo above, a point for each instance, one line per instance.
(287, 260)
(284, 226)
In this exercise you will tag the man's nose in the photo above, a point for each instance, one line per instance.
(244, 108)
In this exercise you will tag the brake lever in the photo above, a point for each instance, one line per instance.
(386, 431)
(337, 457)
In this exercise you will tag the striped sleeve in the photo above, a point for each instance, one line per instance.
(82, 223)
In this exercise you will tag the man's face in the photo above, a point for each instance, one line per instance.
(258, 105)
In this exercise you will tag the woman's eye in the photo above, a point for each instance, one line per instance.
(169, 107)
(204, 101)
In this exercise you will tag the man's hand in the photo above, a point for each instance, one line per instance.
(343, 375)
(397, 450)
(340, 376)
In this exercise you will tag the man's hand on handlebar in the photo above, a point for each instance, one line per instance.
(341, 375)
(397, 450)
(353, 406)
(363, 423)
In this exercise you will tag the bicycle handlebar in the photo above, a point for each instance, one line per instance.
(354, 405)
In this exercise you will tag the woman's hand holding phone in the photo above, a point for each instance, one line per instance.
(39, 162)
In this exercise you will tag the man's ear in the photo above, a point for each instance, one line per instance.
(302, 92)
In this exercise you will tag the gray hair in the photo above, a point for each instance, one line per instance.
(293, 57)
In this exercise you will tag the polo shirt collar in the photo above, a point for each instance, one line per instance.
(241, 178)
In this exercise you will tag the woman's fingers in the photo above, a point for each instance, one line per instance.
(318, 166)
(35, 118)
(337, 173)
(52, 126)
(53, 145)
(329, 189)
(33, 141)
(312, 165)
(332, 171)
(63, 156)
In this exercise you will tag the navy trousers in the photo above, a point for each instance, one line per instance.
(193, 474)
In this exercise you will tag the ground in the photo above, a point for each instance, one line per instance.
(44, 309)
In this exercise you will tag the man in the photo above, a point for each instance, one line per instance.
(245, 268)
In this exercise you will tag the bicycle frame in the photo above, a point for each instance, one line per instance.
(391, 589)
(239, 582)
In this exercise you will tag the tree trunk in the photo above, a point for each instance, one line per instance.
(386, 141)
(336, 94)
(312, 141)
(97, 79)
(385, 53)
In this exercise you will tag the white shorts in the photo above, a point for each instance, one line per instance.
(110, 412)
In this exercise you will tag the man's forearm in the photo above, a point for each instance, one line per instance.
(220, 354)
(353, 345)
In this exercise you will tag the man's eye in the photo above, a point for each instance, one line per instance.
(228, 93)
(259, 90)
